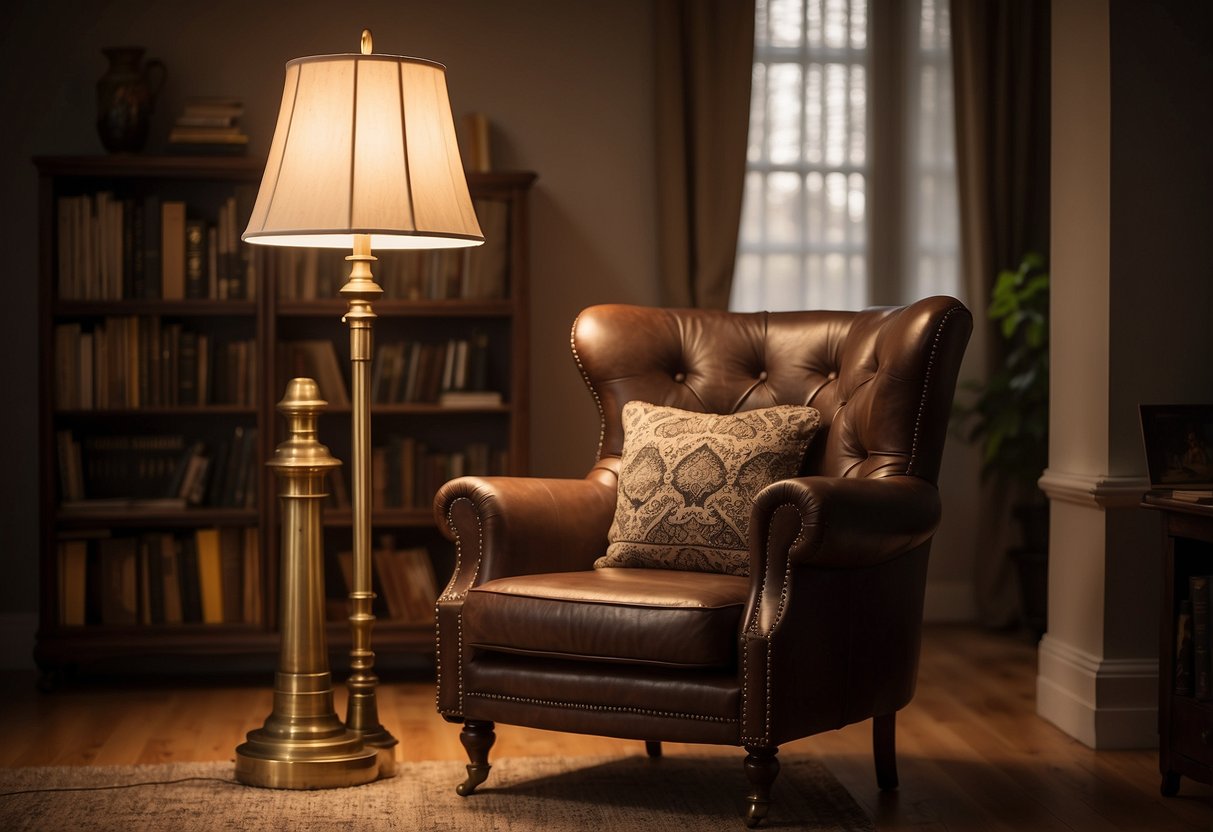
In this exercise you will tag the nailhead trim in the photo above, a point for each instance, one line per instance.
(581, 706)
(926, 383)
(450, 595)
(593, 392)
(752, 627)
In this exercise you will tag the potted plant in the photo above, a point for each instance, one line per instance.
(1009, 417)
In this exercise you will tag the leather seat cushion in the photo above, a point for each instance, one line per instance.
(634, 616)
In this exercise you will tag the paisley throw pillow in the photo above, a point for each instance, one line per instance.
(688, 480)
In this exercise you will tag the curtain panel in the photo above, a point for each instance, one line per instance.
(1000, 64)
(705, 53)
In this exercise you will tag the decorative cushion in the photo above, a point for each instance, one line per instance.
(687, 482)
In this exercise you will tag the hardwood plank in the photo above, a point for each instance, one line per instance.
(972, 754)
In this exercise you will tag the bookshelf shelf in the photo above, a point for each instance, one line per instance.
(144, 306)
(138, 412)
(400, 309)
(91, 518)
(124, 356)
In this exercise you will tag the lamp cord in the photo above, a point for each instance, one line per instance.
(227, 781)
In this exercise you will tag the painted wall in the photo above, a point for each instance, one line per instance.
(568, 87)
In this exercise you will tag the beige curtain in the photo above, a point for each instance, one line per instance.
(1000, 59)
(705, 54)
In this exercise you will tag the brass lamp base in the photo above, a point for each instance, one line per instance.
(309, 747)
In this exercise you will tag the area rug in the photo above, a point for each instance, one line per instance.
(523, 794)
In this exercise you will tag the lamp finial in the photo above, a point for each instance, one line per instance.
(367, 47)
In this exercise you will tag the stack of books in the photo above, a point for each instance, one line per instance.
(209, 126)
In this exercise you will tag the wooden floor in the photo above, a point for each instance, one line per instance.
(972, 753)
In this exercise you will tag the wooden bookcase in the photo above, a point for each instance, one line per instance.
(1185, 722)
(101, 550)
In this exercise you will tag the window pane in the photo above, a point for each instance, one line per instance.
(859, 25)
(783, 112)
(933, 222)
(783, 282)
(813, 134)
(747, 284)
(836, 23)
(836, 120)
(837, 223)
(804, 223)
(783, 19)
(760, 23)
(814, 34)
(856, 203)
(783, 208)
(857, 144)
(815, 214)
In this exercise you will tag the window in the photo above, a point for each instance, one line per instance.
(816, 166)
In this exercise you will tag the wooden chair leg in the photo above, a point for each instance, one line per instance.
(653, 748)
(761, 769)
(884, 749)
(477, 739)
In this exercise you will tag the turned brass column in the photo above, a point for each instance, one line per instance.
(362, 715)
(303, 744)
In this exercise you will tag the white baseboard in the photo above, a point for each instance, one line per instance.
(1102, 703)
(17, 631)
(950, 602)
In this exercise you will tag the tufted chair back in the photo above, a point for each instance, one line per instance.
(869, 373)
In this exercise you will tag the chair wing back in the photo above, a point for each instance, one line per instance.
(882, 378)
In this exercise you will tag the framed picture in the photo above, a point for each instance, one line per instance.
(1179, 444)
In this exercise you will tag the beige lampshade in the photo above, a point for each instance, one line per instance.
(365, 144)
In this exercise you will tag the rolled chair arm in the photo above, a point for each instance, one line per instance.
(833, 561)
(849, 523)
(522, 525)
(832, 523)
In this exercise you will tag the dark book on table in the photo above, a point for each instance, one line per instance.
(1198, 586)
(1183, 650)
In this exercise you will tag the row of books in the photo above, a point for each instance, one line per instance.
(403, 578)
(150, 471)
(112, 247)
(129, 362)
(1194, 650)
(417, 371)
(207, 576)
(476, 273)
(452, 373)
(406, 473)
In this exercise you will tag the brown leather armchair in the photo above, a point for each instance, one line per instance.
(825, 629)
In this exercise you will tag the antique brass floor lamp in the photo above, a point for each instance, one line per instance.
(303, 744)
(364, 157)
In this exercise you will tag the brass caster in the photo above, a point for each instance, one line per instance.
(756, 812)
(477, 774)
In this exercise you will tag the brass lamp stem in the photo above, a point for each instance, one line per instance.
(362, 715)
(303, 744)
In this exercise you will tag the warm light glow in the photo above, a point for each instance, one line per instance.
(365, 144)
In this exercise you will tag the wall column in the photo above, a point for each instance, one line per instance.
(1130, 324)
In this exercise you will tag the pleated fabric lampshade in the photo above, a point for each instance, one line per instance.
(365, 144)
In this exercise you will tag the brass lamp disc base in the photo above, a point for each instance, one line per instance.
(276, 763)
(385, 744)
